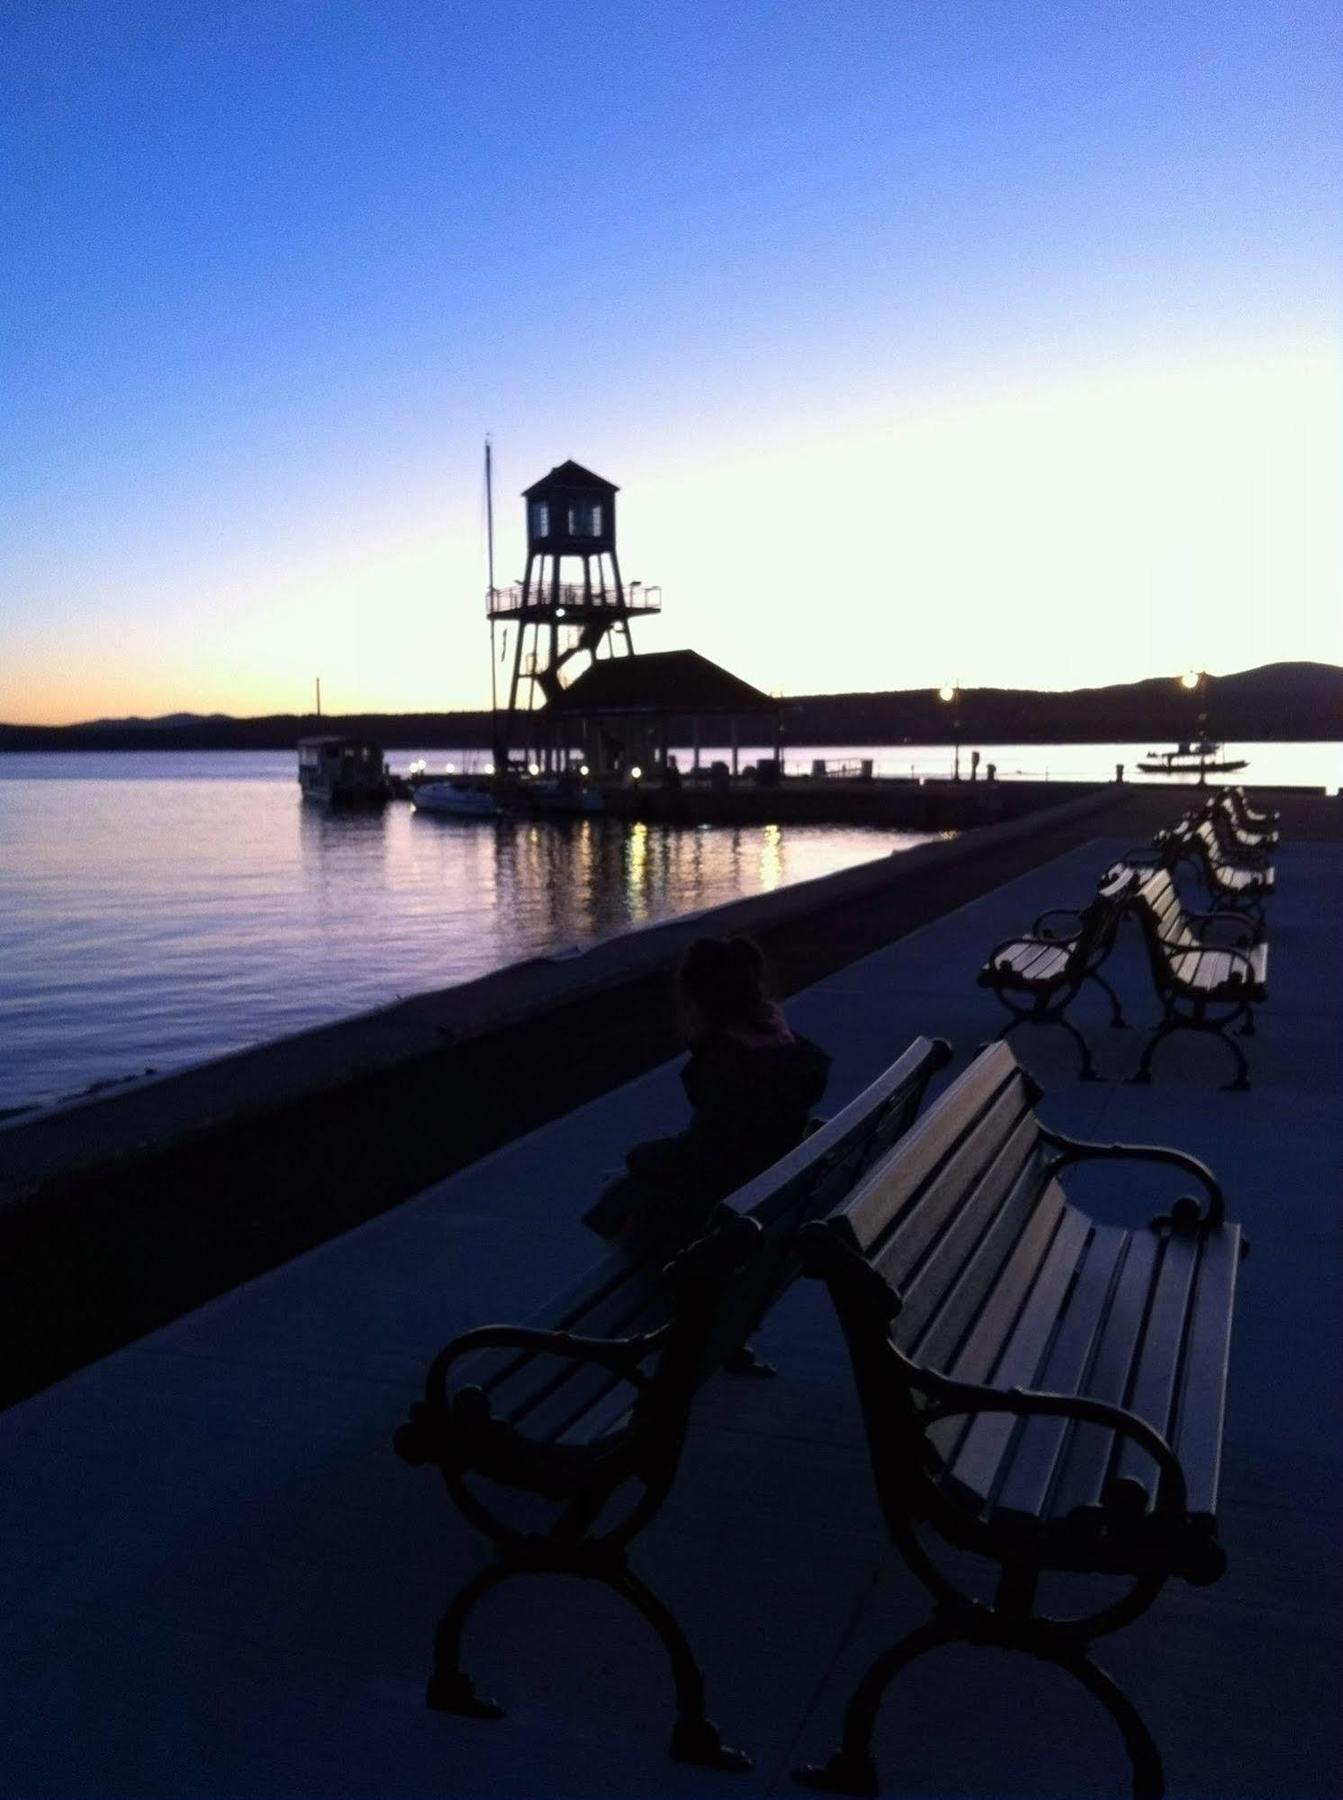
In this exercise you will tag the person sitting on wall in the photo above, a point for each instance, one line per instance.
(751, 1082)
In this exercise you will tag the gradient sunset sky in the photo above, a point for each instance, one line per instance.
(987, 340)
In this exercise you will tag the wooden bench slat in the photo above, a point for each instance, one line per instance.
(871, 1208)
(961, 1277)
(1025, 1238)
(1086, 1455)
(1201, 1404)
(973, 1467)
(1153, 1388)
(1036, 1455)
(921, 1256)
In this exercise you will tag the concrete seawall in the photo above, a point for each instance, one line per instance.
(123, 1211)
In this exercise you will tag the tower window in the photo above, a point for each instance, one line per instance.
(585, 519)
(540, 519)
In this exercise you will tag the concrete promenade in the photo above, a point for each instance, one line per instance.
(218, 1580)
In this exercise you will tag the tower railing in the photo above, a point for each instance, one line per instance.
(577, 601)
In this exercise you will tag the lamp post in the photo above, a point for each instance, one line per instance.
(1195, 681)
(950, 692)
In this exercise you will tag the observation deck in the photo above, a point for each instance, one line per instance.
(572, 603)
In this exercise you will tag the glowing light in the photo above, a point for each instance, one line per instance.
(636, 773)
(1189, 679)
(533, 768)
(583, 769)
(946, 692)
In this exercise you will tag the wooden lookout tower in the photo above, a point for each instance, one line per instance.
(572, 604)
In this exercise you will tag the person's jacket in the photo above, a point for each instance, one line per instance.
(752, 1093)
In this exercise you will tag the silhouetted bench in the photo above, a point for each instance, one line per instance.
(595, 1391)
(1039, 1389)
(1263, 820)
(1038, 976)
(1240, 887)
(1203, 984)
(1250, 836)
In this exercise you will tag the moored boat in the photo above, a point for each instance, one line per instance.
(459, 799)
(1202, 758)
(342, 771)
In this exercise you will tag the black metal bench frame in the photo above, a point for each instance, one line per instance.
(1187, 842)
(1185, 1005)
(707, 1302)
(1088, 939)
(1246, 838)
(1143, 1533)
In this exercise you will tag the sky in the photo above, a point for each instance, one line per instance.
(995, 341)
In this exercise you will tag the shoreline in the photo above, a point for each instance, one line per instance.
(125, 1210)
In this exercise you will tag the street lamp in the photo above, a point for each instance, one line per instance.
(950, 692)
(1195, 681)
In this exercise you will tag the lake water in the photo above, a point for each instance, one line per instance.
(160, 909)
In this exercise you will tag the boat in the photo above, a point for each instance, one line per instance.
(1201, 758)
(459, 799)
(342, 771)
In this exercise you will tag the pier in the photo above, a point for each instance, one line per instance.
(221, 1581)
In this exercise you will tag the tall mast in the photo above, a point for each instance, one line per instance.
(489, 554)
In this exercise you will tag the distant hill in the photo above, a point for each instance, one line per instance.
(1283, 702)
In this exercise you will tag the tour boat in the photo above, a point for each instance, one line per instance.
(1198, 759)
(342, 771)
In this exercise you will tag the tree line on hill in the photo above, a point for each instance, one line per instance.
(1284, 702)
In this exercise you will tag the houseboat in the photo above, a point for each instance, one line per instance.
(342, 771)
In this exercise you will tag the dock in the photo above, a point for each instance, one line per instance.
(220, 1581)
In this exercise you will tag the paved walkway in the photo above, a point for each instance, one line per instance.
(218, 1580)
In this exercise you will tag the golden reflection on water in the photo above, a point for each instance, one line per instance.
(771, 858)
(180, 918)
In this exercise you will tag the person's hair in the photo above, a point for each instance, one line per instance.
(725, 978)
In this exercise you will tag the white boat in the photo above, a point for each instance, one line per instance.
(458, 798)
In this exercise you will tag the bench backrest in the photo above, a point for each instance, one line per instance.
(1162, 912)
(630, 1291)
(810, 1182)
(956, 1222)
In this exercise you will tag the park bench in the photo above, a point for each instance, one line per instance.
(1039, 975)
(594, 1393)
(1232, 845)
(1203, 984)
(1264, 820)
(1039, 1389)
(1231, 886)
(1248, 837)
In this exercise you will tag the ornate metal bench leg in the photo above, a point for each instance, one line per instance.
(1143, 1072)
(851, 1770)
(1242, 1080)
(694, 1737)
(1087, 1072)
(450, 1688)
(1117, 1020)
(1149, 1780)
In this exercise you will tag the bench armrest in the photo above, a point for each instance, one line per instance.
(1013, 943)
(621, 1355)
(1185, 1214)
(1241, 922)
(950, 1398)
(1041, 929)
(1232, 950)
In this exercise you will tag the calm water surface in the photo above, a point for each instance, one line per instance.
(160, 909)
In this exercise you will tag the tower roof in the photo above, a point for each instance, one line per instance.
(568, 475)
(665, 681)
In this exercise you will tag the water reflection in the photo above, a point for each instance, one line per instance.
(180, 920)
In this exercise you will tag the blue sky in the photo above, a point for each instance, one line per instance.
(897, 324)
